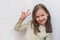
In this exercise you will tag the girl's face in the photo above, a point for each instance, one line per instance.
(41, 16)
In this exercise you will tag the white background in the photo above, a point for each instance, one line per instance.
(10, 11)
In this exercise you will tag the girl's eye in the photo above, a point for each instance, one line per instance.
(42, 15)
(37, 16)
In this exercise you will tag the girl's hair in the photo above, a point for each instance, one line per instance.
(36, 24)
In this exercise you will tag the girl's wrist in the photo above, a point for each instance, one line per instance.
(20, 19)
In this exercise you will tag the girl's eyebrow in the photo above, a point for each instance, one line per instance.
(37, 16)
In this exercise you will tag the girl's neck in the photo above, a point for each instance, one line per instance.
(42, 24)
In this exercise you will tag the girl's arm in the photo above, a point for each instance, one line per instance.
(20, 27)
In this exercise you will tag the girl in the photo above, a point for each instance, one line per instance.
(39, 28)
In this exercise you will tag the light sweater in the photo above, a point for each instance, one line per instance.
(30, 32)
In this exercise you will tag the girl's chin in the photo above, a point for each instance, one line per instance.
(42, 23)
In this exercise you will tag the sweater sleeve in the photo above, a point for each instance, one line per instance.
(48, 37)
(20, 27)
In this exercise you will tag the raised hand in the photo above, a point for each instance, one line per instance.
(24, 15)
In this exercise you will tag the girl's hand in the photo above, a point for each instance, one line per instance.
(24, 15)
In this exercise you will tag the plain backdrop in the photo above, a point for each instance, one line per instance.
(10, 11)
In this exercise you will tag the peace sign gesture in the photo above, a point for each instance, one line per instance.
(24, 15)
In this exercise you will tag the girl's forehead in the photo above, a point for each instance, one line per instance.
(40, 11)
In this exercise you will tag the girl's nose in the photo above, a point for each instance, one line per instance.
(40, 18)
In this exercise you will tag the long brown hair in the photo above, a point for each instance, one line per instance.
(36, 24)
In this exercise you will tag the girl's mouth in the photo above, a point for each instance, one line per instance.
(42, 20)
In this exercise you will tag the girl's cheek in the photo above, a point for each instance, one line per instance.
(45, 18)
(37, 19)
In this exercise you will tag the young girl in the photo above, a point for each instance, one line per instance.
(39, 28)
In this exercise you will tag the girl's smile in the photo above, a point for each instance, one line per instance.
(42, 20)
